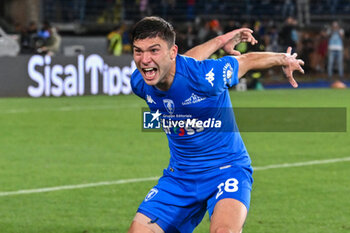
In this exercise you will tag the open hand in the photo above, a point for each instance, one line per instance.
(292, 64)
(237, 36)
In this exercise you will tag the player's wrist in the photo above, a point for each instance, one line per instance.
(221, 41)
(285, 59)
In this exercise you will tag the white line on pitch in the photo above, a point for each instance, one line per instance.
(127, 181)
(301, 164)
(78, 186)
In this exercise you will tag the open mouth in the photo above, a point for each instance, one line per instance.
(149, 72)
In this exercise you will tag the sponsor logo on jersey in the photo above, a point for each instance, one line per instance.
(150, 100)
(169, 105)
(151, 194)
(193, 99)
(210, 77)
(151, 120)
(227, 73)
(179, 131)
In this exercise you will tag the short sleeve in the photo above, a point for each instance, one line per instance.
(215, 76)
(137, 84)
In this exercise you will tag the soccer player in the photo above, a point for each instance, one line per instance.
(209, 170)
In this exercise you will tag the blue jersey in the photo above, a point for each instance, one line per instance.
(199, 91)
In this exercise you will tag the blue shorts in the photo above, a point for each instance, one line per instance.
(180, 200)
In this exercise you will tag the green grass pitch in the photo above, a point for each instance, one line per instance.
(53, 142)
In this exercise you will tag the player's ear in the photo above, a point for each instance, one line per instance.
(173, 52)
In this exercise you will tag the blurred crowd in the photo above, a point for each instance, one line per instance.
(34, 39)
(115, 11)
(324, 50)
(313, 46)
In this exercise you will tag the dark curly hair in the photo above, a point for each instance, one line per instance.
(151, 27)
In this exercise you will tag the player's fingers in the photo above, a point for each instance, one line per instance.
(292, 81)
(244, 37)
(247, 39)
(235, 53)
(254, 41)
(231, 52)
(229, 49)
(301, 70)
(289, 74)
(250, 39)
(240, 32)
(289, 50)
(294, 55)
(249, 35)
(243, 30)
(301, 62)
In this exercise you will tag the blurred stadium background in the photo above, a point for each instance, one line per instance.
(82, 164)
(69, 28)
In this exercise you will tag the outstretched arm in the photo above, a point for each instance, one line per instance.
(227, 42)
(265, 60)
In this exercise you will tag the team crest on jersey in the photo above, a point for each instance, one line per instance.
(227, 73)
(169, 106)
(193, 99)
(150, 100)
(151, 194)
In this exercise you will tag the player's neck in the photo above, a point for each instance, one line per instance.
(165, 84)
